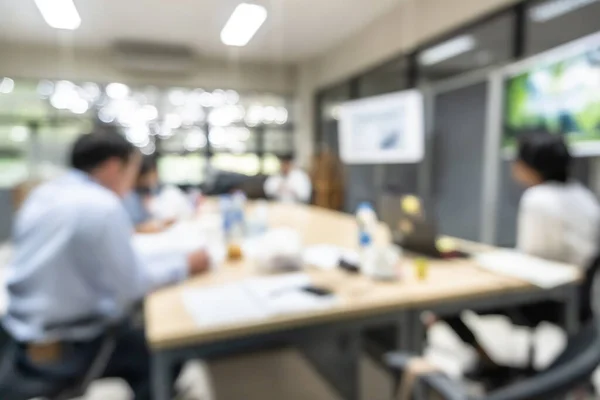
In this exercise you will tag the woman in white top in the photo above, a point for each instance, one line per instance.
(559, 219)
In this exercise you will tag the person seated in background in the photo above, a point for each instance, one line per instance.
(291, 185)
(137, 201)
(558, 220)
(74, 277)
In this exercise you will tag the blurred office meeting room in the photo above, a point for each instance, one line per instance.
(285, 199)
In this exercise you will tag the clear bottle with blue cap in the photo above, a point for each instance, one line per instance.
(366, 219)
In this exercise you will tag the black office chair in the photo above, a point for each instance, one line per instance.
(572, 369)
(94, 372)
(586, 312)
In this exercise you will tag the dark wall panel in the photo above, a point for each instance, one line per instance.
(458, 160)
(360, 186)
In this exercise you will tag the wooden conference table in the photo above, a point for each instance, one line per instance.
(332, 339)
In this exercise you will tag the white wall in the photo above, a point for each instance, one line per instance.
(98, 65)
(399, 31)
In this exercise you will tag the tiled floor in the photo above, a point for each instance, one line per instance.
(285, 375)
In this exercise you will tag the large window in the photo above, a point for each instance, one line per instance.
(487, 44)
(551, 23)
(35, 134)
(188, 169)
(191, 129)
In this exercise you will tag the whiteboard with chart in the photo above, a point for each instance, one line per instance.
(386, 129)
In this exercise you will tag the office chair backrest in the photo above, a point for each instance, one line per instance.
(573, 367)
(588, 296)
(94, 371)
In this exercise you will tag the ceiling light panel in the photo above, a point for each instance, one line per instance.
(447, 50)
(59, 14)
(243, 24)
(556, 8)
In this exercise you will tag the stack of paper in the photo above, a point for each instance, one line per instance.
(537, 271)
(154, 248)
(284, 294)
(222, 305)
(253, 299)
(327, 257)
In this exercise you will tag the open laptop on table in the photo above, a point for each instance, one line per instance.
(413, 229)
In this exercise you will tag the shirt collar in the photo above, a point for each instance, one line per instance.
(79, 176)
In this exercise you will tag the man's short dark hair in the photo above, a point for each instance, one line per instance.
(546, 153)
(286, 158)
(93, 149)
(149, 164)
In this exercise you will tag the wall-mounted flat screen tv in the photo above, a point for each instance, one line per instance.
(561, 96)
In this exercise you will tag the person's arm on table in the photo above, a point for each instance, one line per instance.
(128, 278)
(154, 226)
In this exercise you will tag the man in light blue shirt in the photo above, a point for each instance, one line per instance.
(74, 276)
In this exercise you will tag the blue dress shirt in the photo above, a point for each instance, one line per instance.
(74, 271)
(134, 204)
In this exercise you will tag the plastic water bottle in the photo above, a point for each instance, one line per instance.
(258, 221)
(366, 220)
(367, 223)
(238, 219)
(232, 212)
(226, 207)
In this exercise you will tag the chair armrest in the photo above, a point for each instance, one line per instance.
(445, 387)
(437, 381)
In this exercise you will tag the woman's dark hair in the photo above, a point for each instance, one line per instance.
(547, 154)
(93, 149)
(148, 165)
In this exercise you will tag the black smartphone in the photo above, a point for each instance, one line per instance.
(319, 291)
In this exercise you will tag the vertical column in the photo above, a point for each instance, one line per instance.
(491, 161)
(426, 168)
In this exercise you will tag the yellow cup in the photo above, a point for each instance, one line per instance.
(421, 268)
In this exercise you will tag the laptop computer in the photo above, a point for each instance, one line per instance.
(411, 228)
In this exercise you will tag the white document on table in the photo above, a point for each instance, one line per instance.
(537, 271)
(327, 257)
(253, 299)
(285, 295)
(168, 241)
(180, 240)
(223, 305)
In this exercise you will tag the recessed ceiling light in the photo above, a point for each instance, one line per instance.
(59, 14)
(243, 24)
(447, 50)
(554, 9)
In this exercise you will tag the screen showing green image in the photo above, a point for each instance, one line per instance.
(562, 97)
